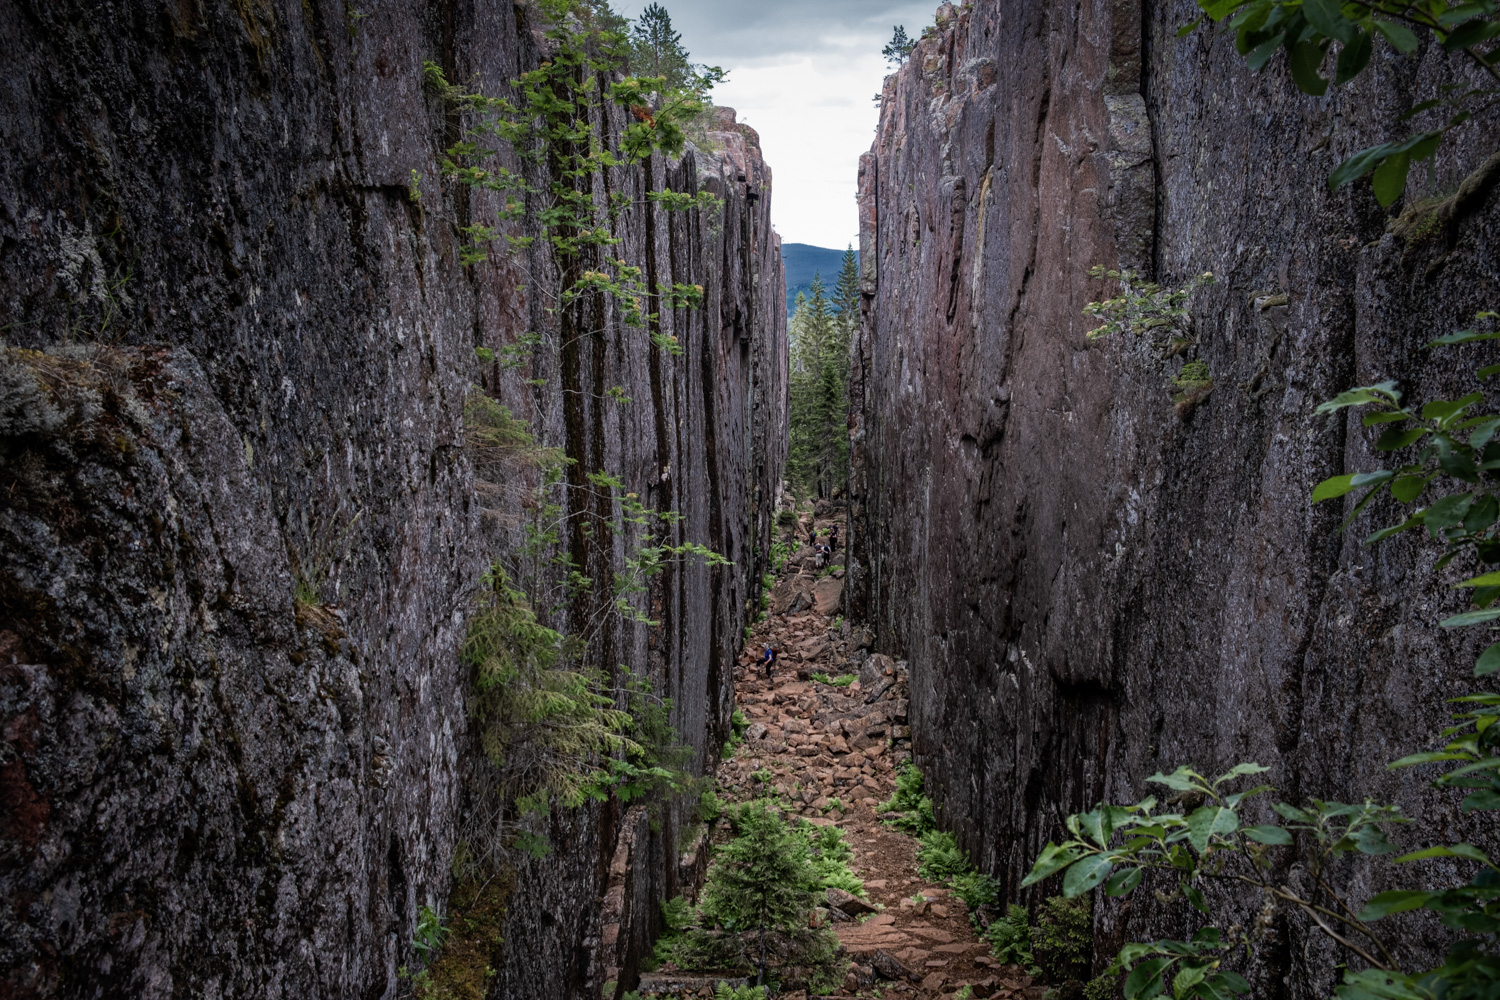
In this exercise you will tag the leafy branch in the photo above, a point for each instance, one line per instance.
(1306, 30)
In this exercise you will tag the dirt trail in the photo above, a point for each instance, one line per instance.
(835, 750)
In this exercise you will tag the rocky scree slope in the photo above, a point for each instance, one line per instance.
(239, 535)
(830, 752)
(1089, 582)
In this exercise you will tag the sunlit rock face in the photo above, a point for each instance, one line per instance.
(239, 339)
(1091, 581)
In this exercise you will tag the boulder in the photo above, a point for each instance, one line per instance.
(878, 666)
(888, 966)
(849, 903)
(828, 595)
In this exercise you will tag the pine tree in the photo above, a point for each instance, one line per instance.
(764, 881)
(899, 48)
(658, 50)
(846, 293)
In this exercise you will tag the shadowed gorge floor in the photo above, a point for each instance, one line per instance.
(829, 753)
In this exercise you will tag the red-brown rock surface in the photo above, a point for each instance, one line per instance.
(1088, 583)
(228, 226)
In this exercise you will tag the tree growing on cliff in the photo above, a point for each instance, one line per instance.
(899, 47)
(657, 50)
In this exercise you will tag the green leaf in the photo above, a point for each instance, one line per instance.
(1257, 57)
(1273, 835)
(1395, 529)
(1304, 60)
(1144, 980)
(1333, 487)
(1408, 488)
(1124, 881)
(1233, 981)
(1086, 874)
(1398, 35)
(1098, 825)
(1470, 33)
(1395, 439)
(1354, 57)
(1362, 162)
(1357, 166)
(1466, 851)
(1483, 431)
(1444, 410)
(1385, 392)
(1187, 29)
(1053, 859)
(1485, 799)
(1489, 661)
(1463, 337)
(1483, 512)
(1195, 898)
(1447, 511)
(1430, 757)
(1219, 9)
(1396, 901)
(1181, 780)
(1390, 178)
(1487, 371)
(1471, 618)
(1187, 977)
(1288, 811)
(1206, 821)
(1240, 770)
(1372, 840)
(1487, 580)
(1325, 16)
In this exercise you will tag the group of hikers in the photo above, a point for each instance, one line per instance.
(823, 555)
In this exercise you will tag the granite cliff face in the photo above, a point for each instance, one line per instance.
(1089, 582)
(240, 536)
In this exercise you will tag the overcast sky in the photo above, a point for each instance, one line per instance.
(804, 74)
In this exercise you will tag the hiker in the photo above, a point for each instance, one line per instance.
(812, 533)
(768, 661)
(822, 556)
(833, 539)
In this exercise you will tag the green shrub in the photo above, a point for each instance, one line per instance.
(843, 680)
(1063, 939)
(831, 857)
(976, 889)
(939, 858)
(677, 913)
(761, 888)
(1105, 987)
(727, 992)
(1009, 938)
(916, 808)
(710, 806)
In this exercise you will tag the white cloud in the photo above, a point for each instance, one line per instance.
(802, 74)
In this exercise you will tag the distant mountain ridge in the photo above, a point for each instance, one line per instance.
(803, 261)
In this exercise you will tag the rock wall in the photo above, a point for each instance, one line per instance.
(240, 534)
(1090, 583)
